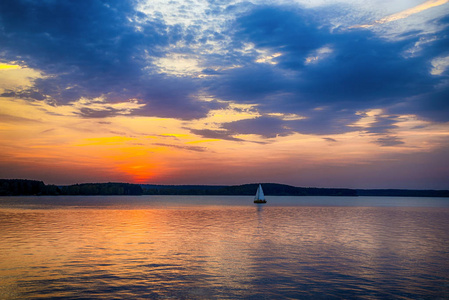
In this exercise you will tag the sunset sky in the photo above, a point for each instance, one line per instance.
(324, 93)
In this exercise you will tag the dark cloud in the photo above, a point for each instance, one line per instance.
(272, 126)
(266, 126)
(389, 141)
(106, 48)
(216, 134)
(81, 38)
(210, 72)
(383, 124)
(95, 48)
(356, 71)
(86, 112)
(174, 97)
(433, 106)
(330, 140)
(29, 94)
(254, 83)
(289, 30)
(269, 126)
(328, 120)
(382, 128)
(190, 148)
(440, 42)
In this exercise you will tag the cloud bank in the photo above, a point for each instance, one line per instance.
(313, 62)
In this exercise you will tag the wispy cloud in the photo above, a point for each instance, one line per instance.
(405, 13)
(389, 141)
(189, 148)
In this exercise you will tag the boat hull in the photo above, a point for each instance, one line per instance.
(260, 201)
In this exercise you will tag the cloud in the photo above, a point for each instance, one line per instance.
(330, 140)
(6, 118)
(389, 141)
(432, 106)
(189, 148)
(383, 124)
(406, 13)
(265, 126)
(273, 126)
(29, 94)
(270, 126)
(92, 113)
(358, 70)
(95, 49)
(216, 134)
(281, 58)
(254, 83)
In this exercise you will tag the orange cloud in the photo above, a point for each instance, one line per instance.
(64, 149)
(405, 13)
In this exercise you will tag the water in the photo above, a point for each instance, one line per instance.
(164, 247)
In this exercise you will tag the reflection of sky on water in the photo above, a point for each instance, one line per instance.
(182, 202)
(224, 251)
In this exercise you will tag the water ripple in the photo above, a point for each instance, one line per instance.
(202, 251)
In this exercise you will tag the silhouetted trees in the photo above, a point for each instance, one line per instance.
(246, 189)
(16, 187)
(110, 188)
(13, 187)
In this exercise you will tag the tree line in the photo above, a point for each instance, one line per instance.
(16, 187)
(245, 189)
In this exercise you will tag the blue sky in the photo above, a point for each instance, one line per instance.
(310, 68)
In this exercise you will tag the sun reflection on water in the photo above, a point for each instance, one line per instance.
(207, 251)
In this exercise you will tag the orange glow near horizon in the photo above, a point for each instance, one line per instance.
(156, 156)
(52, 143)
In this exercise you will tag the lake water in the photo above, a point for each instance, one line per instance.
(214, 247)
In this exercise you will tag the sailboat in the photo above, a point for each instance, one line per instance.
(259, 198)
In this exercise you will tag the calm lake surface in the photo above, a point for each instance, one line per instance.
(222, 247)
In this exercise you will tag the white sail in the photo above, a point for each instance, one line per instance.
(259, 194)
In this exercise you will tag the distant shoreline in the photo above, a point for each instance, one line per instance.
(24, 187)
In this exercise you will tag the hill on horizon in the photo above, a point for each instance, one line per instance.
(16, 187)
